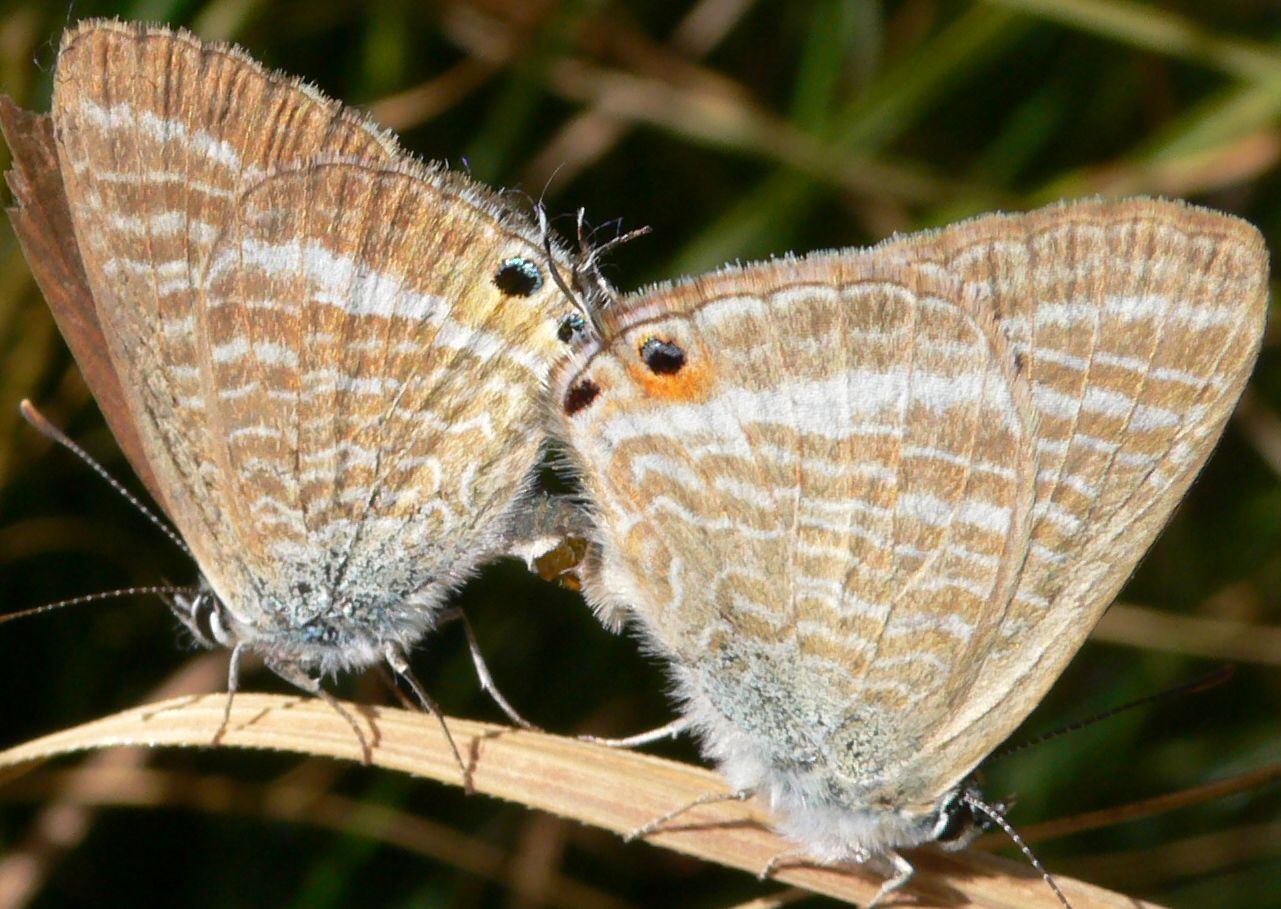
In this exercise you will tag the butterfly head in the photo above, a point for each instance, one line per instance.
(840, 827)
(956, 820)
(332, 637)
(207, 618)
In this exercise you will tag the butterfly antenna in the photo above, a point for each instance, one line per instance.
(547, 184)
(592, 255)
(42, 425)
(92, 598)
(589, 313)
(1192, 686)
(995, 816)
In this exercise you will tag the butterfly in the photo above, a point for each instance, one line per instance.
(868, 504)
(324, 358)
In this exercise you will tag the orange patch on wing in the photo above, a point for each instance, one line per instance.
(693, 382)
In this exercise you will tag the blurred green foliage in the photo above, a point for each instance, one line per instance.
(735, 129)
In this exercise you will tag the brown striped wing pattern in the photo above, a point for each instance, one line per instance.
(266, 118)
(374, 454)
(813, 513)
(155, 122)
(871, 502)
(337, 399)
(1136, 324)
(42, 222)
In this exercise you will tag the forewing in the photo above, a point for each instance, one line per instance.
(41, 220)
(1135, 325)
(371, 393)
(814, 511)
(156, 134)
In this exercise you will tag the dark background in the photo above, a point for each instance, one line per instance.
(734, 129)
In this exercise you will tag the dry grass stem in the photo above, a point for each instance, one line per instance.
(1184, 859)
(65, 821)
(1110, 817)
(1214, 638)
(1159, 30)
(619, 791)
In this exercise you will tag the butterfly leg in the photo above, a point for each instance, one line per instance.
(389, 680)
(400, 666)
(789, 857)
(670, 731)
(487, 683)
(233, 685)
(709, 798)
(296, 676)
(902, 873)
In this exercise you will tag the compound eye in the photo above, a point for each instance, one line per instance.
(202, 617)
(955, 821)
(209, 622)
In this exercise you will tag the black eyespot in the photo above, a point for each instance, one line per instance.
(662, 357)
(580, 395)
(571, 327)
(518, 277)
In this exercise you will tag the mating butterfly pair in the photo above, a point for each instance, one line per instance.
(869, 503)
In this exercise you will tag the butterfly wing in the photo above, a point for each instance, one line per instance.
(113, 70)
(372, 390)
(182, 162)
(41, 220)
(813, 512)
(127, 99)
(1135, 324)
(871, 538)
